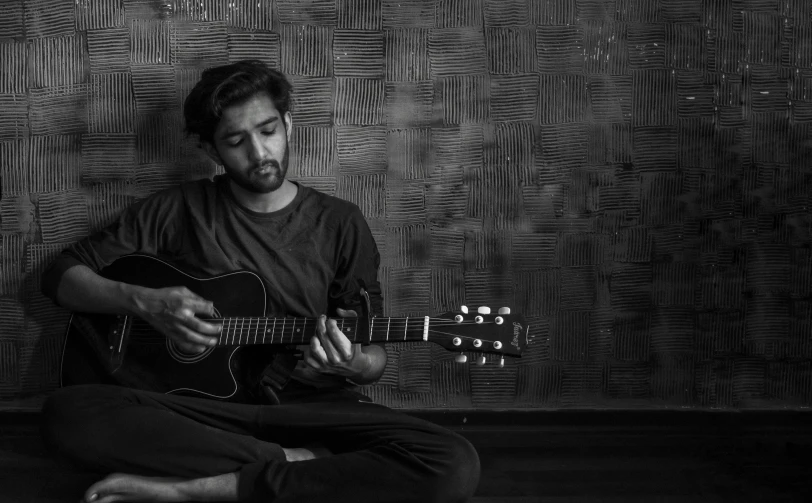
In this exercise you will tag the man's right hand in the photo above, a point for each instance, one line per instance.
(172, 312)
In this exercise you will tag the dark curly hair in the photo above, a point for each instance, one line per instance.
(223, 86)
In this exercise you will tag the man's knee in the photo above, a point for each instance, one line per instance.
(68, 420)
(457, 480)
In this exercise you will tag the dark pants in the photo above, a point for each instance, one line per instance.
(379, 455)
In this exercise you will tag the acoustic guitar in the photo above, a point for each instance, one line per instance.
(126, 350)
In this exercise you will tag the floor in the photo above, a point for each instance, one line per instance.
(571, 456)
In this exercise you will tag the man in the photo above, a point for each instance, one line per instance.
(311, 440)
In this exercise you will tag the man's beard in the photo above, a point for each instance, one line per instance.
(262, 183)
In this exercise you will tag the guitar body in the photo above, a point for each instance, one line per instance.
(127, 351)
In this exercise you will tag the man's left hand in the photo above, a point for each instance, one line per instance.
(331, 352)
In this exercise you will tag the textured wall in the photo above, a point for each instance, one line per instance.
(632, 175)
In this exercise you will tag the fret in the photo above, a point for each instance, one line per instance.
(264, 330)
(282, 332)
(256, 332)
(405, 328)
(388, 324)
(273, 330)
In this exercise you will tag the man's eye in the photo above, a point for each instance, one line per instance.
(235, 143)
(269, 133)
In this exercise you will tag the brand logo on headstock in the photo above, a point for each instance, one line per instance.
(517, 329)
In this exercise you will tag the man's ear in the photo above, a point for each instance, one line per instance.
(288, 124)
(211, 152)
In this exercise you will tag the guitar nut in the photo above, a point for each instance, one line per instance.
(479, 319)
(457, 341)
(499, 320)
(477, 343)
(497, 345)
(458, 318)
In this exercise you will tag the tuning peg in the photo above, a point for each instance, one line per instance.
(460, 358)
(464, 309)
(484, 310)
(481, 360)
(504, 310)
(501, 362)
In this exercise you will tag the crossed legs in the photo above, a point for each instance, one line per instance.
(378, 455)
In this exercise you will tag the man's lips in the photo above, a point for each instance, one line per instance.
(266, 168)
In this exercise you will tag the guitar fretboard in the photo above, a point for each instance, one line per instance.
(250, 331)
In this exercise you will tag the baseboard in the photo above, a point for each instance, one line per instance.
(674, 420)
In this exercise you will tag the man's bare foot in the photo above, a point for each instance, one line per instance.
(120, 487)
(305, 453)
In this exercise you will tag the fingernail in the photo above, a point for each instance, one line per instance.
(93, 497)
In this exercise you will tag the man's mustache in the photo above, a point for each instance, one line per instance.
(272, 162)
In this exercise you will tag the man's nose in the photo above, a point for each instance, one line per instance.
(257, 151)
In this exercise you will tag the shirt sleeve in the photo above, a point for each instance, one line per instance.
(149, 226)
(358, 263)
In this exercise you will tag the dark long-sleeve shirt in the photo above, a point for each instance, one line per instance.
(314, 255)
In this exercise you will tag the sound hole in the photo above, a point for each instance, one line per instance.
(183, 356)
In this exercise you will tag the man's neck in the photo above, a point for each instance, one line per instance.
(268, 202)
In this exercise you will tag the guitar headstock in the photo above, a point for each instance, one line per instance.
(501, 333)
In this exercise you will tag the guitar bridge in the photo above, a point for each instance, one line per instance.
(116, 340)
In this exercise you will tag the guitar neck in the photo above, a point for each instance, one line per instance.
(284, 331)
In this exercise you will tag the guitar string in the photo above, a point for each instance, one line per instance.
(395, 323)
(253, 329)
(159, 339)
(256, 328)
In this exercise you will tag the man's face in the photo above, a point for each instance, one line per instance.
(251, 142)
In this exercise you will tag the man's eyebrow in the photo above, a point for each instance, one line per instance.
(229, 134)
